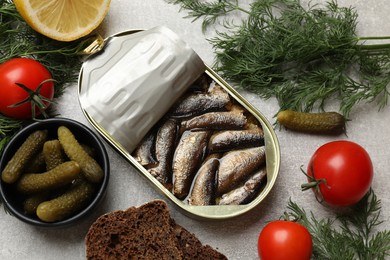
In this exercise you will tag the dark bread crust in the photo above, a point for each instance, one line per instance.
(145, 232)
(192, 248)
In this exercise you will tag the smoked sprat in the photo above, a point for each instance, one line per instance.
(207, 149)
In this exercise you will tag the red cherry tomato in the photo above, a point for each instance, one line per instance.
(284, 240)
(344, 171)
(31, 74)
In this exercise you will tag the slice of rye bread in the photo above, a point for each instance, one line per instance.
(192, 248)
(144, 232)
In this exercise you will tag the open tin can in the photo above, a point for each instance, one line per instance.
(142, 79)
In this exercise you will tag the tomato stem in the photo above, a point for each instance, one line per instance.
(291, 217)
(35, 98)
(313, 184)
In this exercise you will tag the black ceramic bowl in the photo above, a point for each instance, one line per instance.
(14, 201)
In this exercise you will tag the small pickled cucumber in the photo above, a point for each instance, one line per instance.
(53, 154)
(61, 175)
(30, 204)
(88, 149)
(89, 167)
(315, 123)
(67, 204)
(25, 152)
(36, 164)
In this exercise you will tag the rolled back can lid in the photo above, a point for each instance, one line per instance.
(129, 85)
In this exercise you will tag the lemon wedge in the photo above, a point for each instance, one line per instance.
(63, 20)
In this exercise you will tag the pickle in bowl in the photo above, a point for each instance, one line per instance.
(54, 193)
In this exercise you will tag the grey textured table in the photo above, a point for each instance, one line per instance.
(237, 238)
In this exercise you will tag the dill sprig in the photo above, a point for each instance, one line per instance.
(210, 11)
(303, 56)
(350, 235)
(17, 39)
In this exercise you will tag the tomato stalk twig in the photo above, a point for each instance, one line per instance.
(35, 98)
(314, 184)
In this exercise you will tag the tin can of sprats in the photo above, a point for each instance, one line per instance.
(184, 128)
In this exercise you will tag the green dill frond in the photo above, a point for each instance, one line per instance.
(8, 127)
(209, 11)
(350, 235)
(302, 55)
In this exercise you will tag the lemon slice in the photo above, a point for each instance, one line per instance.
(63, 20)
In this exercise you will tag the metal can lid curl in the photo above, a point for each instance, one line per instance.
(130, 85)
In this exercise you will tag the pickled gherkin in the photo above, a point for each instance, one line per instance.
(36, 164)
(88, 149)
(61, 175)
(314, 123)
(30, 205)
(25, 152)
(53, 177)
(53, 154)
(89, 167)
(67, 204)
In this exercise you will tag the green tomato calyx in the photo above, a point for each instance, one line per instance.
(36, 99)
